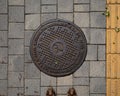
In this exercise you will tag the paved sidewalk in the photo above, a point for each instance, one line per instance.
(19, 20)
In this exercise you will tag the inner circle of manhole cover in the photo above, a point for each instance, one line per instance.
(58, 48)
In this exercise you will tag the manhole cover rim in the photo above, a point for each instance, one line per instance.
(78, 65)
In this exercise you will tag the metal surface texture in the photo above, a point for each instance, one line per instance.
(58, 47)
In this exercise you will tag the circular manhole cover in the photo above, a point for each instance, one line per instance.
(58, 48)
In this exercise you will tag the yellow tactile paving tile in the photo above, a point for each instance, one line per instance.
(111, 41)
(118, 1)
(108, 86)
(113, 16)
(113, 87)
(113, 49)
(118, 26)
(118, 67)
(108, 23)
(113, 1)
(108, 40)
(107, 1)
(118, 14)
(118, 87)
(112, 20)
(113, 66)
(108, 67)
(118, 42)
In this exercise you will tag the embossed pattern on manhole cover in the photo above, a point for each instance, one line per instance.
(58, 48)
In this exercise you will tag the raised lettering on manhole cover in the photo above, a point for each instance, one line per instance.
(58, 48)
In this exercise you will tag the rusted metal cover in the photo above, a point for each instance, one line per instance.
(58, 48)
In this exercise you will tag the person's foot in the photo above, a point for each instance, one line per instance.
(50, 92)
(72, 92)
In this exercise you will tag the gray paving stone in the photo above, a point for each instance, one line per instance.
(45, 17)
(63, 89)
(81, 8)
(98, 5)
(32, 6)
(86, 31)
(28, 36)
(3, 55)
(16, 46)
(15, 91)
(97, 36)
(3, 22)
(91, 52)
(46, 9)
(82, 90)
(101, 52)
(66, 16)
(97, 20)
(81, 1)
(97, 85)
(97, 95)
(83, 71)
(32, 21)
(49, 1)
(3, 87)
(67, 80)
(16, 63)
(80, 81)
(3, 38)
(31, 71)
(81, 19)
(16, 30)
(16, 2)
(15, 79)
(62, 6)
(3, 6)
(32, 87)
(47, 80)
(97, 68)
(3, 71)
(44, 90)
(16, 14)
(27, 55)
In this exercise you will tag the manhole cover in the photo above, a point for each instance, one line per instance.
(58, 48)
